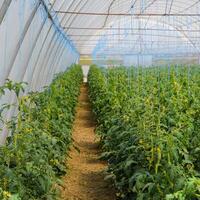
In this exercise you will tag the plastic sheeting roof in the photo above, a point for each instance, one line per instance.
(88, 21)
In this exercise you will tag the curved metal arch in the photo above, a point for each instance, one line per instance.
(106, 6)
(184, 35)
(4, 8)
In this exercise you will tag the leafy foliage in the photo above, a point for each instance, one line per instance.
(35, 154)
(148, 120)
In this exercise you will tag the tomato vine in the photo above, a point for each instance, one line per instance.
(148, 120)
(34, 156)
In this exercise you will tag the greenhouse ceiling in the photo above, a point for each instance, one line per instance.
(126, 25)
(100, 28)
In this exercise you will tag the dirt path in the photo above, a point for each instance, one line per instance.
(85, 178)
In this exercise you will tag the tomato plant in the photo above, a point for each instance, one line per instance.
(34, 156)
(148, 120)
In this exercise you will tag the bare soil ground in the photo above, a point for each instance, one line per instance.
(85, 178)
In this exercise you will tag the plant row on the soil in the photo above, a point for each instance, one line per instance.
(33, 158)
(149, 123)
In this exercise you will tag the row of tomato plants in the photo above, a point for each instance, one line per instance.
(33, 159)
(149, 122)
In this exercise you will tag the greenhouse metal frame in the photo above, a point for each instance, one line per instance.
(87, 79)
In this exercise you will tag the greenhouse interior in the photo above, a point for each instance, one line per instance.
(99, 99)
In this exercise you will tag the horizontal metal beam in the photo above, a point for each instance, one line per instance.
(128, 41)
(143, 35)
(159, 55)
(131, 45)
(127, 29)
(129, 14)
(122, 34)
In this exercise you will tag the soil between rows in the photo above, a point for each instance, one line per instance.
(85, 177)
